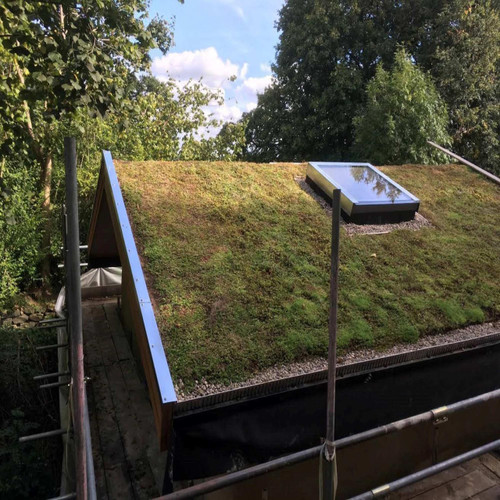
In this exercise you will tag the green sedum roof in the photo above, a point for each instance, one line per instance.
(236, 257)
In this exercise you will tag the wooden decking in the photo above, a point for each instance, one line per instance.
(478, 479)
(128, 464)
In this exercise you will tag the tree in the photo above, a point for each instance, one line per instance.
(402, 112)
(166, 117)
(466, 66)
(229, 144)
(59, 57)
(329, 50)
(81, 69)
(269, 130)
(19, 221)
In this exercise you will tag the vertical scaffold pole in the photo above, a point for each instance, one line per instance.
(73, 294)
(328, 460)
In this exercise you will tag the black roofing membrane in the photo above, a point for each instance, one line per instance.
(216, 440)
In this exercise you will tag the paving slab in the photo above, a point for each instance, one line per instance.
(127, 460)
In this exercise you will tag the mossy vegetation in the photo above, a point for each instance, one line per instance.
(237, 260)
(27, 470)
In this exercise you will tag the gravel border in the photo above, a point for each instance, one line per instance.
(352, 229)
(204, 388)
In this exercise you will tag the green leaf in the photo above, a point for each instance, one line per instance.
(40, 77)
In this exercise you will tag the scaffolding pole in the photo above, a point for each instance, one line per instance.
(74, 296)
(328, 461)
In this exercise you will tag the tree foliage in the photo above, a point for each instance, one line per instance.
(167, 117)
(19, 220)
(403, 110)
(227, 145)
(269, 132)
(466, 66)
(32, 471)
(59, 57)
(82, 69)
(75, 54)
(329, 50)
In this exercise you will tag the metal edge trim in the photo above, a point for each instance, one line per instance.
(158, 357)
(371, 208)
(240, 394)
(326, 186)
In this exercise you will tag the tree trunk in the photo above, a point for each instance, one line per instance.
(45, 162)
(45, 182)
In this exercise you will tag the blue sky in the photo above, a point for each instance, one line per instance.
(216, 39)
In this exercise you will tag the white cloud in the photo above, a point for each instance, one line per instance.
(249, 106)
(234, 6)
(266, 68)
(240, 95)
(244, 70)
(226, 112)
(252, 86)
(196, 64)
(239, 11)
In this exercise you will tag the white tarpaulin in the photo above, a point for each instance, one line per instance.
(109, 278)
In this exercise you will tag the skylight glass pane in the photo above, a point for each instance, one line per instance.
(363, 184)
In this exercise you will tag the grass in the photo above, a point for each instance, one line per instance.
(237, 260)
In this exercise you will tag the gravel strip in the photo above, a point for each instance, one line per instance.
(203, 388)
(354, 229)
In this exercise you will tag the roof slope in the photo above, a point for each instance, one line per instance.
(236, 256)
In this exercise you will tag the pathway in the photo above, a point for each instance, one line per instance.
(128, 464)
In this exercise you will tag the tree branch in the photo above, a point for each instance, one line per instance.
(61, 21)
(27, 112)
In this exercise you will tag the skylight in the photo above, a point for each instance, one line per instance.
(368, 196)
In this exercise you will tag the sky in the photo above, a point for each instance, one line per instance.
(219, 39)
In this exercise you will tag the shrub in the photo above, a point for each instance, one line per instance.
(402, 112)
(19, 235)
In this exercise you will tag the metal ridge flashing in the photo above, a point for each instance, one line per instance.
(158, 357)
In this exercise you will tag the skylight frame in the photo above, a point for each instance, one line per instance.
(352, 205)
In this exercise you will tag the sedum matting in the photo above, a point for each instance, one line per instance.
(236, 257)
